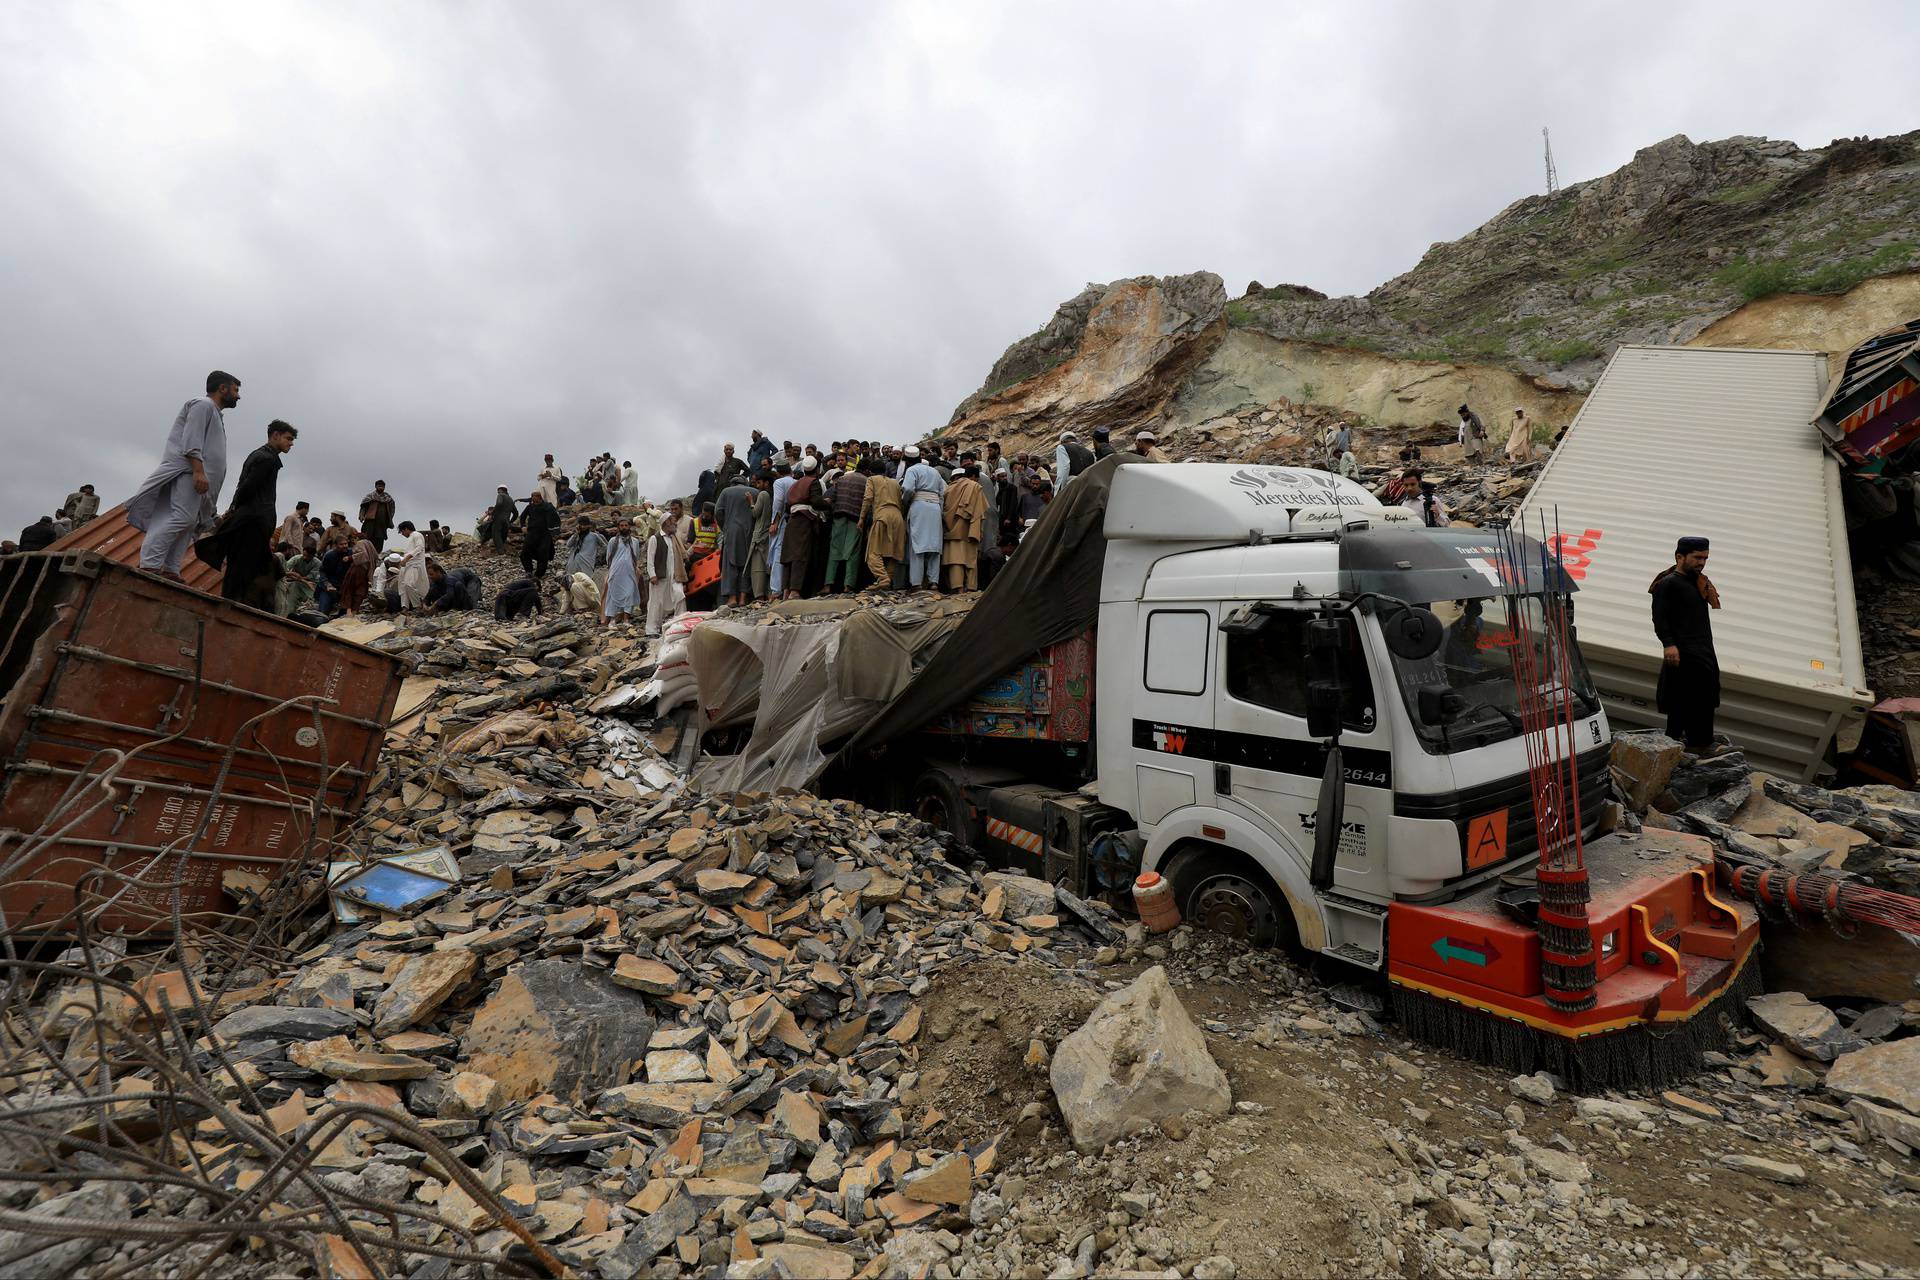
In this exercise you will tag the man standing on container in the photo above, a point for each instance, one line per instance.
(246, 532)
(1689, 687)
(83, 504)
(180, 498)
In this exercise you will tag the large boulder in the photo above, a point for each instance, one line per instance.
(1139, 1059)
(1888, 1073)
(1805, 1027)
(1694, 780)
(1642, 763)
(556, 1026)
(1025, 895)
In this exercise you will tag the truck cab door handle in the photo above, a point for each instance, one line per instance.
(1222, 779)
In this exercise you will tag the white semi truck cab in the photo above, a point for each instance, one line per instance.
(1255, 624)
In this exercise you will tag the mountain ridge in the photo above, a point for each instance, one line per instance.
(1525, 308)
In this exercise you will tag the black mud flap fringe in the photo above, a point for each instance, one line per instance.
(1633, 1058)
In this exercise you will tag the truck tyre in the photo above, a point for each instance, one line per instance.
(938, 801)
(1225, 893)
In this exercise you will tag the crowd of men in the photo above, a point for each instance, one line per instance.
(80, 508)
(781, 521)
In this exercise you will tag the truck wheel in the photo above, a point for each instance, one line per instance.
(938, 801)
(1220, 892)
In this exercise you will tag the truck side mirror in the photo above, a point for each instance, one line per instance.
(1323, 678)
(1413, 633)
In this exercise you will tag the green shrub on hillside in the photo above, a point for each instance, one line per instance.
(1566, 352)
(1747, 194)
(1838, 277)
(1756, 280)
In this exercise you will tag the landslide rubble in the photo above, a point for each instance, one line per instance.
(648, 1031)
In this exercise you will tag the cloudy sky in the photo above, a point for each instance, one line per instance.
(444, 239)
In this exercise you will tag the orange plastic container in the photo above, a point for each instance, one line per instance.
(1153, 896)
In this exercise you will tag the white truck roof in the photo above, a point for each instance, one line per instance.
(1225, 502)
(1715, 442)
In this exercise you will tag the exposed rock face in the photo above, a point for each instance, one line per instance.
(1744, 241)
(1249, 367)
(1138, 1059)
(1115, 364)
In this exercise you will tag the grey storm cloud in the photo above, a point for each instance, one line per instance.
(446, 239)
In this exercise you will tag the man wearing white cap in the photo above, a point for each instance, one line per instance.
(1144, 446)
(776, 541)
(922, 488)
(1070, 458)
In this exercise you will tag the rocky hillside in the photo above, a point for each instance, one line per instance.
(1652, 252)
(1742, 240)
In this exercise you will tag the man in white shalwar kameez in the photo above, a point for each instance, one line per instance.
(777, 541)
(548, 482)
(414, 582)
(666, 579)
(922, 488)
(624, 552)
(181, 499)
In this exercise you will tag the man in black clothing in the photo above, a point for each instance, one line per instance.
(540, 524)
(1077, 458)
(246, 531)
(522, 595)
(446, 591)
(333, 576)
(39, 535)
(1102, 445)
(500, 520)
(1689, 687)
(730, 467)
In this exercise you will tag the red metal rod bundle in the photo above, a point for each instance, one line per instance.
(1543, 667)
(1829, 897)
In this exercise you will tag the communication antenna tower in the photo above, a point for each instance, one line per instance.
(1553, 175)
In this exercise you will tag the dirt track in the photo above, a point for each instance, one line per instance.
(1365, 1154)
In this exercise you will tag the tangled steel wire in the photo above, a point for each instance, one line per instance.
(117, 1093)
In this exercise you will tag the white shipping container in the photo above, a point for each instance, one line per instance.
(1716, 442)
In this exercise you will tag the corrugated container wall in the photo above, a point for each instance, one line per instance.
(105, 668)
(109, 536)
(1716, 442)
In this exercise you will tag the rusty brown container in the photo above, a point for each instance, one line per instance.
(174, 699)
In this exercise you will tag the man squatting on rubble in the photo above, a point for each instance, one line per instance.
(1689, 687)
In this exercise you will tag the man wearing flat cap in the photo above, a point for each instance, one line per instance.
(1689, 687)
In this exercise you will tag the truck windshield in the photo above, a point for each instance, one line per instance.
(1475, 660)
